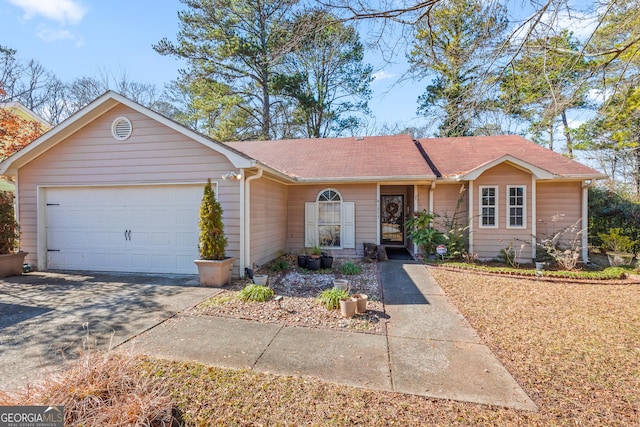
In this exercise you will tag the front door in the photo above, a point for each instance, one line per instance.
(392, 219)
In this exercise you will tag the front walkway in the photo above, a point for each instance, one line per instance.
(429, 350)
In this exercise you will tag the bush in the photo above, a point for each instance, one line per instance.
(257, 293)
(330, 298)
(350, 269)
(212, 239)
(421, 231)
(8, 225)
(279, 265)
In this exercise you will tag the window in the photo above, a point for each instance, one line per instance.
(489, 207)
(330, 222)
(329, 218)
(516, 195)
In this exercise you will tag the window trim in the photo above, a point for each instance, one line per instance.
(523, 206)
(318, 225)
(495, 206)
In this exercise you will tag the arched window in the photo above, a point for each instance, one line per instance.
(329, 218)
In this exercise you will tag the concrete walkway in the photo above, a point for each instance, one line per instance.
(429, 350)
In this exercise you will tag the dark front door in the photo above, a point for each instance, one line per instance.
(392, 219)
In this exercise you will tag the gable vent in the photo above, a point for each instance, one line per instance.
(121, 128)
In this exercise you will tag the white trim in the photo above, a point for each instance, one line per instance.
(537, 172)
(534, 216)
(245, 215)
(41, 203)
(495, 207)
(317, 216)
(508, 207)
(470, 217)
(97, 108)
(378, 225)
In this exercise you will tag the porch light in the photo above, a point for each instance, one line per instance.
(232, 175)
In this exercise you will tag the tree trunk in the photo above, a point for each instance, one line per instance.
(567, 134)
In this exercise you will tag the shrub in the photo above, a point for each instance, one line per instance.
(422, 233)
(350, 269)
(8, 225)
(257, 293)
(279, 265)
(212, 239)
(616, 241)
(330, 298)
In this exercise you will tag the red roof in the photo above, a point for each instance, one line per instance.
(398, 157)
(372, 157)
(457, 156)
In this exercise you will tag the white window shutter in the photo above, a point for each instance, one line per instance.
(348, 225)
(310, 225)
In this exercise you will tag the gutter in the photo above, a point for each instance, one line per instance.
(246, 261)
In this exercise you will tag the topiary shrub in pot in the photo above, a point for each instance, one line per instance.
(11, 260)
(214, 268)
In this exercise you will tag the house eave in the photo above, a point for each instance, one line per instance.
(367, 179)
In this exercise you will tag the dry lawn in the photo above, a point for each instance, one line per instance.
(574, 348)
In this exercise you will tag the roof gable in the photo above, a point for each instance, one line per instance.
(95, 109)
(465, 158)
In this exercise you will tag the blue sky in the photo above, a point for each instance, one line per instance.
(74, 38)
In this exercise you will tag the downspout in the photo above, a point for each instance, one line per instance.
(534, 216)
(585, 219)
(470, 218)
(247, 221)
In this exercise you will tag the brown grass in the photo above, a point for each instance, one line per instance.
(573, 348)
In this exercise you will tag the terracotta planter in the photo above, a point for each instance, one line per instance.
(348, 307)
(214, 272)
(12, 264)
(361, 302)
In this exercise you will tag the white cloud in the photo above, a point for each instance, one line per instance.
(62, 11)
(382, 75)
(50, 35)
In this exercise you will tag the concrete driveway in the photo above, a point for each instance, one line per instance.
(49, 317)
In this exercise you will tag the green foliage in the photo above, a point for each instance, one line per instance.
(615, 241)
(257, 293)
(350, 269)
(609, 273)
(8, 226)
(452, 47)
(330, 298)
(543, 84)
(607, 210)
(212, 238)
(421, 232)
(279, 265)
(325, 77)
(316, 250)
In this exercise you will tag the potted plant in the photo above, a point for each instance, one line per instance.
(313, 262)
(214, 268)
(11, 260)
(421, 232)
(618, 247)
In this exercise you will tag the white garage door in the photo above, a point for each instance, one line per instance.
(150, 229)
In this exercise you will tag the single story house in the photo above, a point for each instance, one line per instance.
(117, 187)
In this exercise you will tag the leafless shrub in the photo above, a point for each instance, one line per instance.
(102, 389)
(564, 246)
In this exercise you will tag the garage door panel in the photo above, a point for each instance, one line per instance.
(93, 223)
